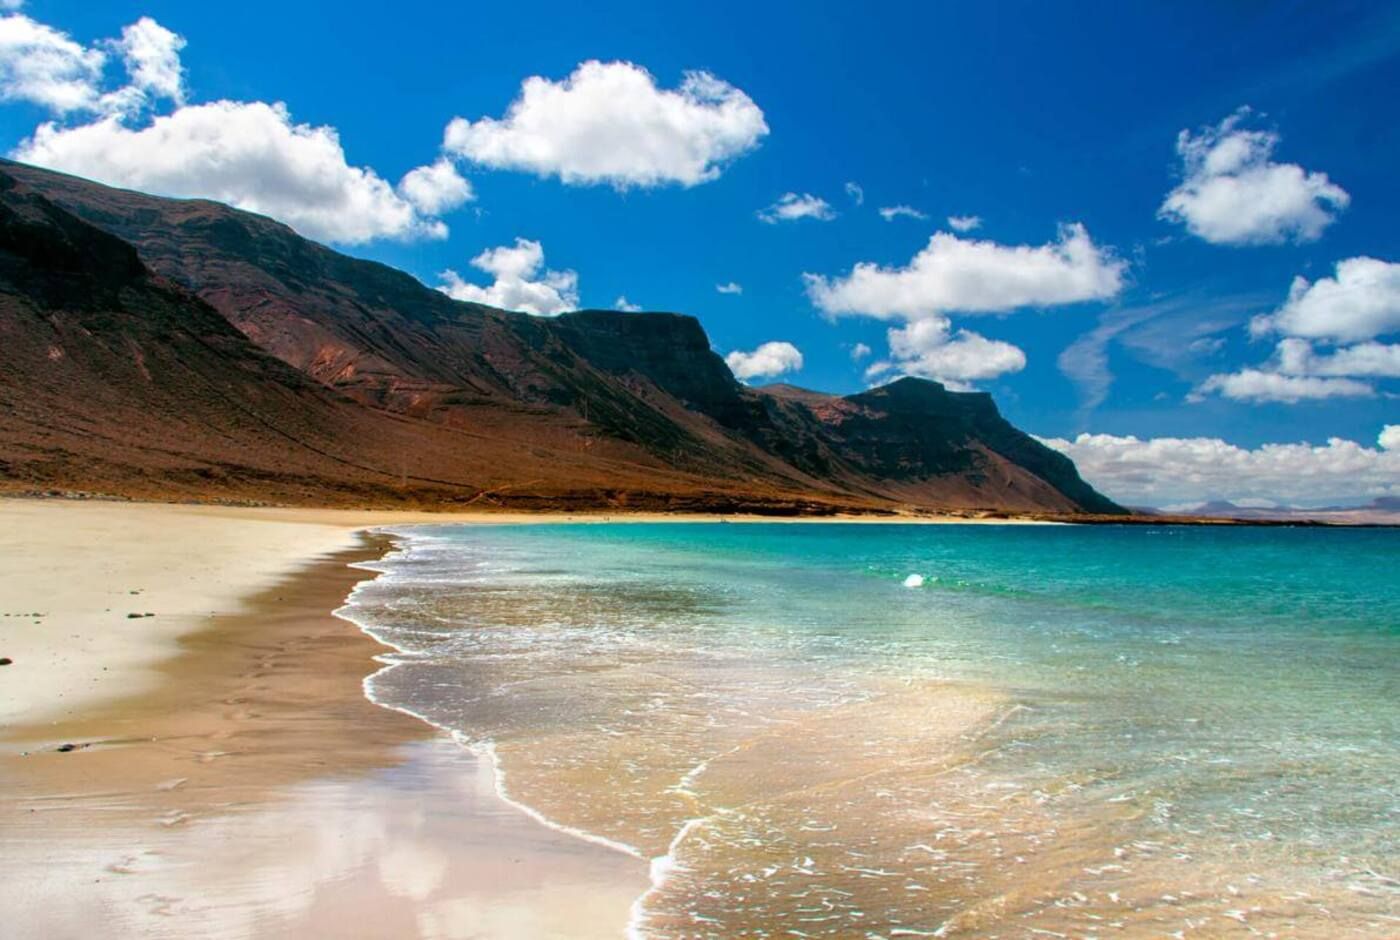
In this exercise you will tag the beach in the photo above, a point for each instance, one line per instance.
(215, 709)
(674, 730)
(228, 776)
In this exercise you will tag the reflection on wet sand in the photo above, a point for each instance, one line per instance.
(256, 792)
(421, 849)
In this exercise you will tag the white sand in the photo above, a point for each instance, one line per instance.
(84, 566)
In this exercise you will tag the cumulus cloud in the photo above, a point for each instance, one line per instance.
(1360, 301)
(965, 223)
(790, 207)
(932, 349)
(251, 155)
(43, 66)
(957, 275)
(860, 351)
(1232, 193)
(625, 305)
(890, 213)
(521, 281)
(733, 287)
(953, 274)
(769, 359)
(1346, 313)
(1165, 470)
(248, 154)
(1299, 357)
(856, 192)
(608, 122)
(1258, 385)
(152, 57)
(435, 188)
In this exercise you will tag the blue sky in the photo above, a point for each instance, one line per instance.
(1030, 117)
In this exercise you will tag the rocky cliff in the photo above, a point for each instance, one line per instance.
(155, 345)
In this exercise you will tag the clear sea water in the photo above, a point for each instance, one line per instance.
(1064, 731)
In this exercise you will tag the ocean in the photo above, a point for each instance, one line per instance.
(878, 731)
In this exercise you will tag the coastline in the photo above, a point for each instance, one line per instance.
(244, 692)
(231, 777)
(229, 773)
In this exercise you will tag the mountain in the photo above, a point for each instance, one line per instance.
(159, 347)
(1383, 510)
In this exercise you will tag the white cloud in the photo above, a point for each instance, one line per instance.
(152, 57)
(1166, 470)
(860, 351)
(435, 188)
(1298, 372)
(791, 207)
(957, 275)
(1348, 310)
(767, 360)
(1257, 385)
(608, 122)
(890, 213)
(11, 4)
(952, 274)
(521, 281)
(1298, 357)
(625, 305)
(733, 287)
(856, 192)
(965, 223)
(1361, 301)
(248, 154)
(41, 65)
(931, 349)
(1232, 193)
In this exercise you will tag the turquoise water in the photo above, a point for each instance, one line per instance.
(1062, 729)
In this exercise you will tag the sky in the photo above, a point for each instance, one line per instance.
(1160, 235)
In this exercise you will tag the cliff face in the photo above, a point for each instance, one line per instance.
(590, 408)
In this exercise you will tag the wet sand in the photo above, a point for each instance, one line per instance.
(229, 778)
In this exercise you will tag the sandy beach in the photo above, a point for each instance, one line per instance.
(212, 766)
(226, 771)
(228, 777)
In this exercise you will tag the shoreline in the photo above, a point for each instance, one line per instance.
(241, 736)
(482, 750)
(232, 775)
(448, 514)
(186, 740)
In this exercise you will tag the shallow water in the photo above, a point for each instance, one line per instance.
(1064, 731)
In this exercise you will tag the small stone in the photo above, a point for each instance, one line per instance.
(5, 661)
(65, 748)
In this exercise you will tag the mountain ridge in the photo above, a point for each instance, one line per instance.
(611, 407)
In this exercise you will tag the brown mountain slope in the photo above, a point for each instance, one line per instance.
(386, 389)
(117, 381)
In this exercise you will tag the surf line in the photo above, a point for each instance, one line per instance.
(660, 867)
